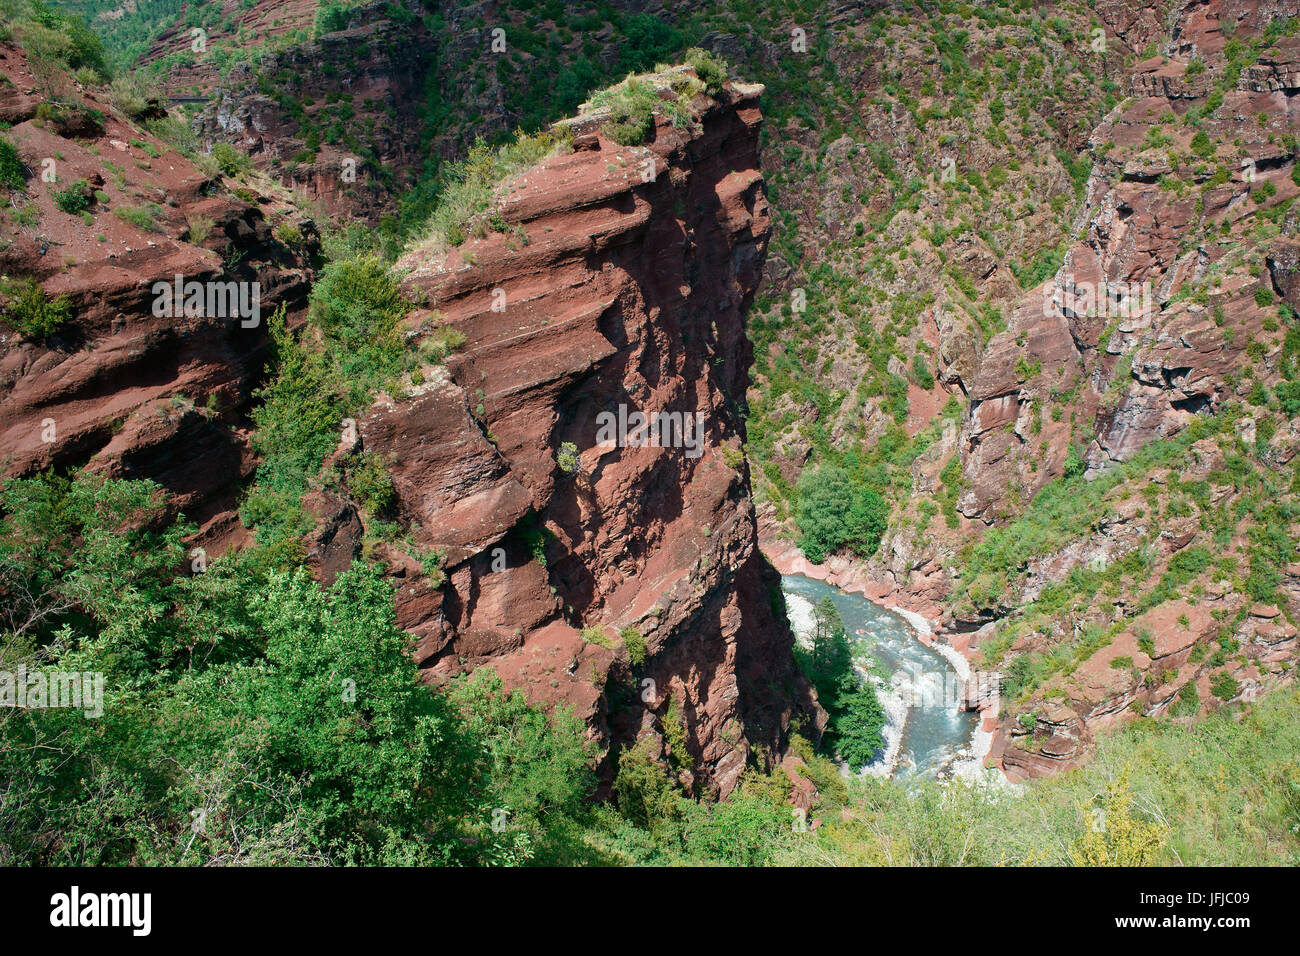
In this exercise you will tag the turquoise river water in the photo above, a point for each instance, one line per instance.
(927, 732)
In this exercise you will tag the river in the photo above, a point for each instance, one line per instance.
(927, 734)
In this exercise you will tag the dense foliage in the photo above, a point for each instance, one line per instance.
(833, 513)
(284, 717)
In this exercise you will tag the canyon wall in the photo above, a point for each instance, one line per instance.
(1175, 302)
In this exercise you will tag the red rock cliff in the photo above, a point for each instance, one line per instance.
(610, 291)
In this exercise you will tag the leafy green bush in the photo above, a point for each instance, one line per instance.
(833, 513)
(635, 644)
(358, 306)
(739, 831)
(288, 233)
(921, 372)
(567, 457)
(370, 482)
(296, 423)
(632, 105)
(597, 636)
(330, 18)
(1264, 192)
(1224, 686)
(230, 160)
(74, 198)
(712, 70)
(1202, 145)
(443, 342)
(28, 310)
(1288, 396)
(539, 763)
(642, 790)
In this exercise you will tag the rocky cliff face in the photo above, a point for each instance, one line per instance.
(337, 118)
(351, 117)
(1157, 224)
(119, 387)
(618, 284)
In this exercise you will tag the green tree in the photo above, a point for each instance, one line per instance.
(288, 717)
(833, 513)
(856, 716)
(540, 764)
(380, 769)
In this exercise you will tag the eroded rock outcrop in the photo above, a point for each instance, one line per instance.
(618, 284)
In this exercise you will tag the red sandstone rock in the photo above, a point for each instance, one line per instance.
(626, 292)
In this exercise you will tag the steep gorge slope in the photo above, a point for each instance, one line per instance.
(952, 185)
(118, 387)
(625, 583)
(1149, 387)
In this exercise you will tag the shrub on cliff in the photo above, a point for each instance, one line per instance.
(711, 70)
(229, 160)
(74, 198)
(635, 644)
(834, 513)
(331, 17)
(470, 185)
(642, 790)
(296, 427)
(567, 457)
(358, 306)
(370, 483)
(25, 307)
(631, 108)
(633, 103)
